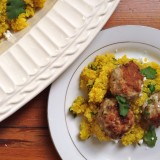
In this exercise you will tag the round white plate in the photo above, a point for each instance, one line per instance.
(134, 41)
(47, 47)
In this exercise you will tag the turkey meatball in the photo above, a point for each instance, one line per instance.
(151, 110)
(126, 80)
(110, 120)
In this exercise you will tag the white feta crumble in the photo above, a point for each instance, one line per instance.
(143, 60)
(9, 36)
(156, 97)
(144, 78)
(116, 50)
(146, 148)
(115, 141)
(140, 142)
(152, 138)
(140, 94)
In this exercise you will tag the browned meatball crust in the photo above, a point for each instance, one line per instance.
(111, 122)
(126, 80)
(151, 110)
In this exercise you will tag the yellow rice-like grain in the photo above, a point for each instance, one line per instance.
(85, 129)
(79, 105)
(21, 22)
(87, 78)
(3, 21)
(98, 133)
(134, 135)
(100, 86)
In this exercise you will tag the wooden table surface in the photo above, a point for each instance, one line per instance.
(25, 135)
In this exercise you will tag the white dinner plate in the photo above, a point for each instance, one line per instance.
(56, 36)
(134, 41)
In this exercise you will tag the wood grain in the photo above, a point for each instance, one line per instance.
(26, 143)
(25, 135)
(136, 12)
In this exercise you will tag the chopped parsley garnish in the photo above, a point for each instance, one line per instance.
(92, 66)
(146, 112)
(123, 106)
(72, 112)
(114, 59)
(90, 85)
(150, 137)
(150, 101)
(149, 72)
(94, 113)
(151, 88)
(15, 8)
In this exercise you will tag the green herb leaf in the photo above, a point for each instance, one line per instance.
(72, 112)
(150, 101)
(123, 106)
(92, 66)
(150, 137)
(15, 8)
(151, 88)
(149, 72)
(114, 59)
(90, 84)
(94, 113)
(146, 112)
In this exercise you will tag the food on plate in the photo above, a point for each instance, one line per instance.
(113, 124)
(122, 78)
(14, 14)
(151, 110)
(122, 101)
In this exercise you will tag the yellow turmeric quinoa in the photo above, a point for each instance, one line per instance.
(20, 22)
(94, 80)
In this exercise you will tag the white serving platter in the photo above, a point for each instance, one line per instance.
(134, 41)
(45, 49)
